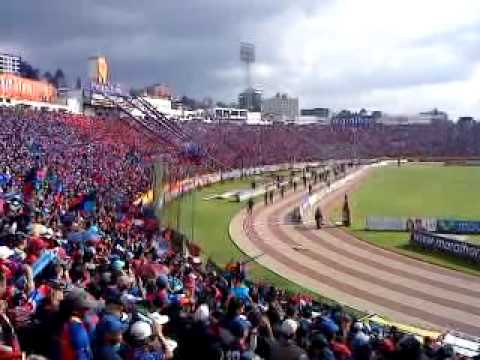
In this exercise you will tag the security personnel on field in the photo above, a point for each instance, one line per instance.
(250, 206)
(318, 217)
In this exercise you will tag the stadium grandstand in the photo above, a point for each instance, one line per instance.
(89, 272)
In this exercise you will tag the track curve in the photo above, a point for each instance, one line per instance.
(338, 265)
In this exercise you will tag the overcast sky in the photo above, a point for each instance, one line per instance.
(397, 56)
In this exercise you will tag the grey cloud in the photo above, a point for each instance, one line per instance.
(180, 42)
(185, 43)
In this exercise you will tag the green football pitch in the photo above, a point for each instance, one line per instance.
(417, 190)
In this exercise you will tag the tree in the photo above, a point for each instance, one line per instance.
(59, 79)
(78, 83)
(221, 104)
(28, 71)
(189, 102)
(207, 102)
(47, 76)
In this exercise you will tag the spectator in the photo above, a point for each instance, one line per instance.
(285, 347)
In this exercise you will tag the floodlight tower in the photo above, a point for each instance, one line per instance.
(247, 56)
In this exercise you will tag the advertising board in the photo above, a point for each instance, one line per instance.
(458, 248)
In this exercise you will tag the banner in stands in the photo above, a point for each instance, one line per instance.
(17, 87)
(450, 226)
(385, 223)
(458, 248)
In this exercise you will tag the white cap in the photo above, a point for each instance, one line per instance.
(5, 252)
(289, 327)
(128, 299)
(358, 326)
(159, 319)
(141, 330)
(202, 313)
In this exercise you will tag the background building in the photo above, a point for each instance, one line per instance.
(231, 115)
(318, 112)
(10, 64)
(315, 116)
(434, 115)
(280, 108)
(251, 100)
(159, 91)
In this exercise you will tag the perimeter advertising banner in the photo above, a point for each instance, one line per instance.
(385, 223)
(458, 248)
(458, 226)
(442, 226)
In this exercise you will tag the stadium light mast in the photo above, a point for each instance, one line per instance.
(247, 56)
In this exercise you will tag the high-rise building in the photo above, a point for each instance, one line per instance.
(10, 64)
(159, 91)
(250, 99)
(280, 108)
(315, 115)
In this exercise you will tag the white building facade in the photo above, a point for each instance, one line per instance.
(281, 108)
(10, 64)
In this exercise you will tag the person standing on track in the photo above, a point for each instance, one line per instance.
(250, 206)
(318, 217)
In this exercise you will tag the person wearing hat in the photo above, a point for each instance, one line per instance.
(112, 347)
(46, 317)
(148, 341)
(109, 319)
(73, 340)
(285, 348)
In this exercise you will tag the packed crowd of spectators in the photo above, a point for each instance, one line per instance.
(85, 274)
